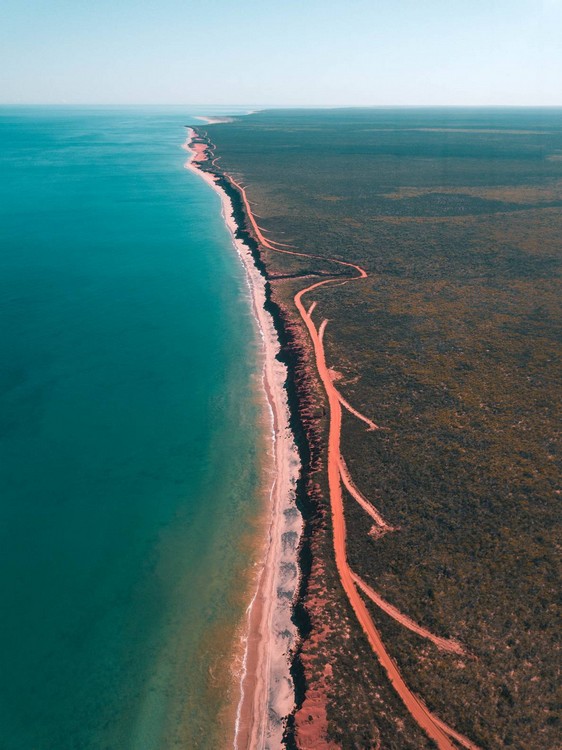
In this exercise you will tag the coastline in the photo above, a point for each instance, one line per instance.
(264, 684)
(309, 721)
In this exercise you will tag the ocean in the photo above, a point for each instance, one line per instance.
(131, 435)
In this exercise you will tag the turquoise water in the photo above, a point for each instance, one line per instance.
(128, 442)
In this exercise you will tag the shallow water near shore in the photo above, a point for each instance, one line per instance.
(131, 435)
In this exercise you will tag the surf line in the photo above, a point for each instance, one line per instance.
(266, 694)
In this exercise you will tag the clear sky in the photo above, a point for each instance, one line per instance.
(293, 52)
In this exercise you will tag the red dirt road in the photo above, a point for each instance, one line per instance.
(443, 735)
(361, 499)
(445, 644)
(415, 706)
(369, 422)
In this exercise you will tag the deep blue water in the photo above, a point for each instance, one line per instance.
(128, 440)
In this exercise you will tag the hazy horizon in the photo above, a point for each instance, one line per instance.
(248, 109)
(294, 54)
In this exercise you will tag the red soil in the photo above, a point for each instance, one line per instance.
(415, 706)
(361, 499)
(445, 644)
(369, 422)
(437, 730)
(200, 150)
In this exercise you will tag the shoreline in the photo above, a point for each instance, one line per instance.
(266, 695)
(435, 728)
(213, 120)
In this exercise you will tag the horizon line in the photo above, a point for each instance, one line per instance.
(262, 107)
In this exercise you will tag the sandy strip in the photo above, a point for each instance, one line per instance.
(214, 120)
(265, 684)
(199, 151)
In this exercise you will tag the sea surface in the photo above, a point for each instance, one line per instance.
(130, 435)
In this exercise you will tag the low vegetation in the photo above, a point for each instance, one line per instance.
(453, 345)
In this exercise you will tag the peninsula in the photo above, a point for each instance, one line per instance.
(416, 313)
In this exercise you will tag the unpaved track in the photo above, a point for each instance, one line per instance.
(445, 644)
(416, 707)
(361, 499)
(443, 735)
(369, 422)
